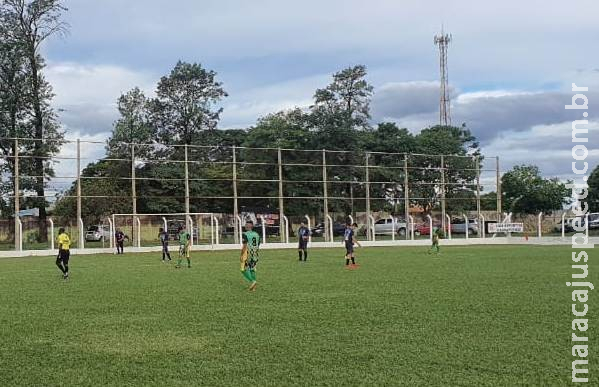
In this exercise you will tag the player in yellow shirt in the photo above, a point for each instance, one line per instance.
(64, 253)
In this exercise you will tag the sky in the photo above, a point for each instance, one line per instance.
(511, 63)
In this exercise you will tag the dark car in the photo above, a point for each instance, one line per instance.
(338, 230)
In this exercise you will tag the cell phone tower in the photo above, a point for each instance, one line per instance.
(442, 41)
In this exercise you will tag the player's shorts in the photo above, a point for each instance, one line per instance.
(184, 251)
(64, 256)
(303, 244)
(251, 264)
(349, 247)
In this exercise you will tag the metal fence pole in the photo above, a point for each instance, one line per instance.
(187, 210)
(370, 226)
(282, 233)
(406, 192)
(443, 199)
(133, 192)
(235, 204)
(478, 193)
(499, 193)
(79, 218)
(325, 194)
(16, 184)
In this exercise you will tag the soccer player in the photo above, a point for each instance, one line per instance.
(350, 240)
(120, 237)
(163, 235)
(304, 236)
(249, 254)
(184, 247)
(435, 244)
(64, 253)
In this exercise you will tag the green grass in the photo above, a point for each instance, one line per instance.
(471, 316)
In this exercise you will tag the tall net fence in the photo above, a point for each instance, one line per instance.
(92, 190)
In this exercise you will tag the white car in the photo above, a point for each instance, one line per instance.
(97, 233)
(385, 227)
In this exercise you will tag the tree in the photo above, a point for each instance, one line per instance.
(184, 107)
(593, 197)
(460, 150)
(341, 108)
(28, 24)
(133, 126)
(526, 191)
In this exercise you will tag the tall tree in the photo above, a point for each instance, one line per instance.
(185, 104)
(341, 108)
(526, 191)
(133, 126)
(28, 24)
(593, 197)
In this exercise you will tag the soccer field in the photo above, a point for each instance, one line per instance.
(492, 315)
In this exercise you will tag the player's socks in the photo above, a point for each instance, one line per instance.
(353, 261)
(346, 262)
(247, 275)
(189, 262)
(300, 255)
(305, 255)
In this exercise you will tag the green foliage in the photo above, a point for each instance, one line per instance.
(526, 191)
(593, 197)
(25, 96)
(184, 113)
(185, 101)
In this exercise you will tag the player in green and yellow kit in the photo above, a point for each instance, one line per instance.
(184, 247)
(437, 234)
(249, 254)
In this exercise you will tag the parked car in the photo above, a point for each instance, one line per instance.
(458, 226)
(97, 233)
(424, 229)
(569, 228)
(385, 227)
(338, 230)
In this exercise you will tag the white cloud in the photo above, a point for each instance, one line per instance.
(86, 94)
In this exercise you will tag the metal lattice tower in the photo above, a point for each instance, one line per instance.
(442, 41)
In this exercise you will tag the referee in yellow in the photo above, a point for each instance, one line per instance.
(64, 253)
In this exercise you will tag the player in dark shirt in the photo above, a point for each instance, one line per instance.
(350, 240)
(120, 237)
(163, 235)
(304, 236)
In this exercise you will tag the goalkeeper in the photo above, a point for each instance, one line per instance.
(249, 254)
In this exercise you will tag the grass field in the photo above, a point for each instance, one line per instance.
(471, 316)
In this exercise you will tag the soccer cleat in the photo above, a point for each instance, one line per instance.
(65, 276)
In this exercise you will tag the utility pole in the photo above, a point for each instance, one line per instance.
(235, 204)
(282, 232)
(442, 41)
(443, 196)
(133, 192)
(325, 194)
(18, 235)
(368, 220)
(187, 206)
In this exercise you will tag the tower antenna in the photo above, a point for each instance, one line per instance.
(442, 41)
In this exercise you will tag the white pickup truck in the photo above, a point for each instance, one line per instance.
(385, 227)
